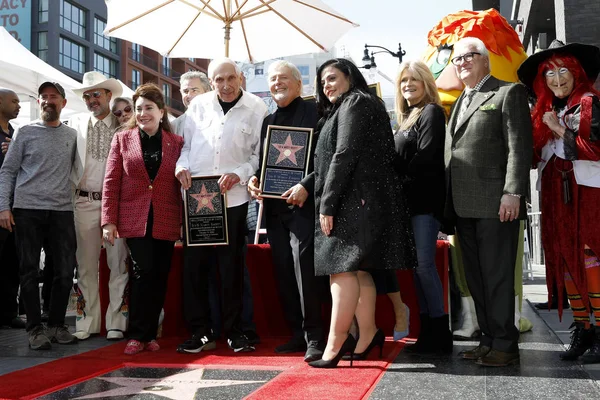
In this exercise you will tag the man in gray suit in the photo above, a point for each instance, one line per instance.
(488, 157)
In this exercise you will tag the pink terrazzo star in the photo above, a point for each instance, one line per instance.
(287, 150)
(204, 199)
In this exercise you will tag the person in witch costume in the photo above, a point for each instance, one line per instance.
(566, 123)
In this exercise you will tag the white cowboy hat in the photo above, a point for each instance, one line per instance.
(96, 80)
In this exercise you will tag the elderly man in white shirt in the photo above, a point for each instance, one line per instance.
(222, 137)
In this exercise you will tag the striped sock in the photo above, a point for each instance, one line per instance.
(580, 313)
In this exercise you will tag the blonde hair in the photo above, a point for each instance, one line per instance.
(420, 72)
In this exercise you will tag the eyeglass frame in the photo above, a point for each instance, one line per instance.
(118, 113)
(561, 71)
(467, 57)
(95, 94)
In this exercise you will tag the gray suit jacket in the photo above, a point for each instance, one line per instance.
(488, 153)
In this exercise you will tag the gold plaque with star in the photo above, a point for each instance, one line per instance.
(286, 156)
(205, 212)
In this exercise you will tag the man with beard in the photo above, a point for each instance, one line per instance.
(9, 269)
(94, 136)
(290, 224)
(35, 179)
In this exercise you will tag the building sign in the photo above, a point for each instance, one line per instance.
(15, 17)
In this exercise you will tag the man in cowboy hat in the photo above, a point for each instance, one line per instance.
(566, 142)
(487, 156)
(94, 135)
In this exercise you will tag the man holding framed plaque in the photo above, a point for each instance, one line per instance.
(286, 186)
(221, 137)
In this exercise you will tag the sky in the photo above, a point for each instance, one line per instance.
(389, 22)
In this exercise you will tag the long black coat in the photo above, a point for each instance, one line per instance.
(355, 182)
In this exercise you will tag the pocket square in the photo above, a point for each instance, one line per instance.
(488, 107)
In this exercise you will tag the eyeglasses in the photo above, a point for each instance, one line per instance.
(468, 57)
(96, 94)
(551, 73)
(118, 113)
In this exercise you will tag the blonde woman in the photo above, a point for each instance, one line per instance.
(419, 143)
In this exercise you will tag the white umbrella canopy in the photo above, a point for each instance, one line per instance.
(243, 30)
(23, 72)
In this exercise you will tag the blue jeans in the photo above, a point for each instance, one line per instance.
(427, 281)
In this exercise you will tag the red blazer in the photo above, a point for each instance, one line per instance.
(128, 192)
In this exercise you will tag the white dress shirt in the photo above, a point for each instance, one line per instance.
(216, 144)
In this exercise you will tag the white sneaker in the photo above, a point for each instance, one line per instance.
(114, 334)
(81, 335)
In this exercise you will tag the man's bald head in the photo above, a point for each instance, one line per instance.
(9, 104)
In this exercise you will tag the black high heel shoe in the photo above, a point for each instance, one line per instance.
(378, 340)
(348, 346)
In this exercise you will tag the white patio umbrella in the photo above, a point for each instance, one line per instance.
(251, 30)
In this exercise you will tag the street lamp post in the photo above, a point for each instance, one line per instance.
(369, 61)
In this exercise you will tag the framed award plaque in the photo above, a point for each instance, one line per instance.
(205, 212)
(285, 159)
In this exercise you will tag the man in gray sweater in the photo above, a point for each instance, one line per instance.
(35, 184)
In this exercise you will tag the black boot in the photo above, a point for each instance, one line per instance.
(442, 335)
(424, 342)
(581, 340)
(593, 355)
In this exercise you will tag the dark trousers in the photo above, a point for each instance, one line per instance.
(148, 277)
(291, 236)
(32, 228)
(489, 249)
(214, 298)
(47, 277)
(9, 277)
(196, 269)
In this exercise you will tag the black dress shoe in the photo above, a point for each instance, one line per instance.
(18, 323)
(476, 353)
(314, 351)
(252, 337)
(296, 345)
(497, 358)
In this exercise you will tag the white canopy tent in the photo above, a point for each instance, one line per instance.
(23, 72)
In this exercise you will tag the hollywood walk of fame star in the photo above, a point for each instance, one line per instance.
(178, 387)
(287, 150)
(204, 199)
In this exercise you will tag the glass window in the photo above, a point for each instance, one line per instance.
(135, 79)
(106, 42)
(304, 70)
(72, 18)
(192, 59)
(43, 11)
(105, 65)
(136, 52)
(43, 45)
(167, 93)
(71, 55)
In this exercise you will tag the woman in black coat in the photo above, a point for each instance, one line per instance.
(363, 223)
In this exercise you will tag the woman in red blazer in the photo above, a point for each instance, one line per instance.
(141, 202)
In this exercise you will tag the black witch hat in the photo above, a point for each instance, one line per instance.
(587, 55)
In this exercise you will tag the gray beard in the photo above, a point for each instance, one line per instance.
(50, 115)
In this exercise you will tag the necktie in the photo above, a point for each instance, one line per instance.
(465, 104)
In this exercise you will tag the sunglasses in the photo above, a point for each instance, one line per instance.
(96, 94)
(118, 113)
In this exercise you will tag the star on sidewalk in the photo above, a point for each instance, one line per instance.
(204, 199)
(177, 387)
(287, 150)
